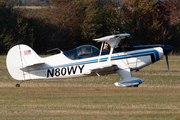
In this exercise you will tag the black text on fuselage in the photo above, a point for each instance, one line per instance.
(70, 70)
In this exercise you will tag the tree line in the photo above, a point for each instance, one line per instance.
(66, 24)
(28, 2)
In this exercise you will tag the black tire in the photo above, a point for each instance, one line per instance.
(17, 85)
(135, 85)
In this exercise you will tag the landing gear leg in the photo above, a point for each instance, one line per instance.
(18, 84)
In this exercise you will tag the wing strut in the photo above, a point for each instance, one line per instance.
(100, 51)
(113, 41)
(113, 44)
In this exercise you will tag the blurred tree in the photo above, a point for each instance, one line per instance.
(148, 21)
(67, 24)
(14, 28)
(173, 32)
(140, 19)
(80, 21)
(101, 20)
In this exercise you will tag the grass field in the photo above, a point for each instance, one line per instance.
(157, 98)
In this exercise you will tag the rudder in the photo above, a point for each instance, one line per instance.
(18, 59)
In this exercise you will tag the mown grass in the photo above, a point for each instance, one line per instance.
(158, 97)
(89, 102)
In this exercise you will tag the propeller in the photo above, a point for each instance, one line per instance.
(166, 49)
(167, 62)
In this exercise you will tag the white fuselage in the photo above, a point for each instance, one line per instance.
(59, 66)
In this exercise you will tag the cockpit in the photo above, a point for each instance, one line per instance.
(83, 51)
(86, 51)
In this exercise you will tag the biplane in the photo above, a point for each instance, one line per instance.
(87, 60)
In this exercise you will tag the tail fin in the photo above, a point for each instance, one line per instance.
(19, 58)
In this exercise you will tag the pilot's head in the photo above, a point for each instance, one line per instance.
(83, 50)
(106, 47)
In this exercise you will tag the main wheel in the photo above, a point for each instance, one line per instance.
(135, 85)
(17, 85)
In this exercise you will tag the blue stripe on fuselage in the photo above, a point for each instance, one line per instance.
(152, 51)
(114, 57)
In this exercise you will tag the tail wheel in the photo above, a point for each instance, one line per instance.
(17, 85)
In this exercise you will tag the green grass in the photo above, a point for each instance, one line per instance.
(89, 102)
(158, 97)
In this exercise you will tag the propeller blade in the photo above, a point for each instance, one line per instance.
(167, 62)
(164, 41)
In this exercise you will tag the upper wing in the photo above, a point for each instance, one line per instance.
(113, 40)
(112, 37)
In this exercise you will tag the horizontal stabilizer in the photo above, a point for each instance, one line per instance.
(38, 63)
